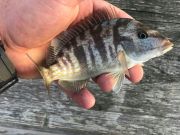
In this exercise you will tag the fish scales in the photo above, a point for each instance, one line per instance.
(100, 44)
(102, 36)
(92, 49)
(98, 41)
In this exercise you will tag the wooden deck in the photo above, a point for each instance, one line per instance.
(150, 108)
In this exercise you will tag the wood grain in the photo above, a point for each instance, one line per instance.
(151, 107)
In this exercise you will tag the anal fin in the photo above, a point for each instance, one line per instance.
(76, 86)
(118, 77)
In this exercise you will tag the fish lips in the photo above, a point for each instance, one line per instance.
(167, 46)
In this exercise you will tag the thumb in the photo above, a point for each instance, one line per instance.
(37, 23)
(70, 3)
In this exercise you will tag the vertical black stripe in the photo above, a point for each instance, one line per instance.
(90, 42)
(112, 54)
(73, 42)
(117, 37)
(81, 56)
(99, 43)
(66, 48)
(82, 36)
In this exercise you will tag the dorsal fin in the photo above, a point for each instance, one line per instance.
(89, 22)
(61, 40)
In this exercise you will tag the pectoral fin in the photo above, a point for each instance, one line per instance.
(122, 60)
(73, 85)
(118, 84)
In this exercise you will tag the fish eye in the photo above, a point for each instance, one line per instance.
(142, 35)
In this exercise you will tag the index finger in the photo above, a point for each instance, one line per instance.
(100, 4)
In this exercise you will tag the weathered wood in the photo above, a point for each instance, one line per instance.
(149, 108)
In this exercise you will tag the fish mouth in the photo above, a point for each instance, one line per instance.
(167, 46)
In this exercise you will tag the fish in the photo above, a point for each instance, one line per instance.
(100, 43)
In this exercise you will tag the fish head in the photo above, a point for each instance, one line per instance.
(142, 43)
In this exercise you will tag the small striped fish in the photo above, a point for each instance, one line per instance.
(100, 44)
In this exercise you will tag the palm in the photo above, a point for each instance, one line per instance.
(32, 24)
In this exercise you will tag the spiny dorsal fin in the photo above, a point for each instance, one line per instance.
(61, 40)
(52, 51)
(89, 22)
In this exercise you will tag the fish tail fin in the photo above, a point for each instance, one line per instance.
(44, 72)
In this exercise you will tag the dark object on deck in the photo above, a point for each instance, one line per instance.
(7, 72)
(149, 108)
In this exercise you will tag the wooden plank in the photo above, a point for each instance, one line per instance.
(152, 105)
(16, 131)
(148, 108)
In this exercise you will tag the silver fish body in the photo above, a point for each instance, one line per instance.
(107, 46)
(92, 53)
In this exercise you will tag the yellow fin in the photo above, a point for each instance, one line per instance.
(118, 78)
(44, 73)
(122, 60)
(76, 86)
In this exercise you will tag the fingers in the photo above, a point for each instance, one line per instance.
(70, 3)
(84, 98)
(86, 7)
(25, 67)
(36, 22)
(106, 82)
(136, 73)
(100, 4)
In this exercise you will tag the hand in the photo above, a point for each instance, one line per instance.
(29, 26)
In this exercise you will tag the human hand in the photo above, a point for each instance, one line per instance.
(29, 26)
